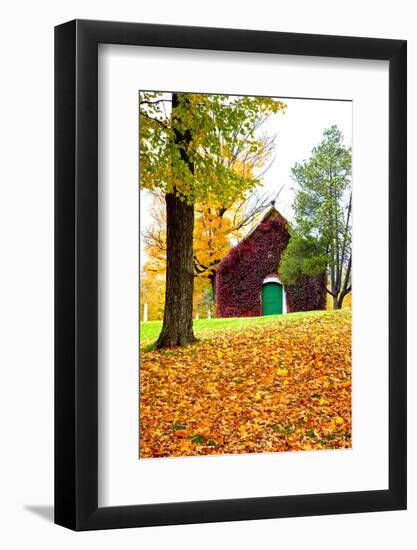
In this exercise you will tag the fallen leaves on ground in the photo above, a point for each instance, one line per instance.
(279, 387)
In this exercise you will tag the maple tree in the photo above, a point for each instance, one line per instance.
(152, 286)
(321, 233)
(189, 153)
(280, 385)
(216, 229)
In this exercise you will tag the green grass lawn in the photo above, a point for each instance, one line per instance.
(150, 330)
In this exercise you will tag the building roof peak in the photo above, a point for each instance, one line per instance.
(273, 213)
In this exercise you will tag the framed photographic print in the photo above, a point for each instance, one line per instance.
(230, 251)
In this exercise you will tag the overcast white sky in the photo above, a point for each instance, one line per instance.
(298, 131)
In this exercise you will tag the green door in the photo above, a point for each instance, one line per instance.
(271, 298)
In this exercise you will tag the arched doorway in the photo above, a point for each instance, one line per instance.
(273, 296)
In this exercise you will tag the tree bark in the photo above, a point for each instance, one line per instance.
(177, 328)
(346, 286)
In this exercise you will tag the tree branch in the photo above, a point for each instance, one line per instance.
(148, 102)
(154, 120)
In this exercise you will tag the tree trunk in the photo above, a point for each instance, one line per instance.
(212, 278)
(336, 303)
(342, 296)
(177, 329)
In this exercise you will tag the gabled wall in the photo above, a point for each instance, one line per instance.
(240, 274)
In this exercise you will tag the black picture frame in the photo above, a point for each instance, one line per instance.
(76, 272)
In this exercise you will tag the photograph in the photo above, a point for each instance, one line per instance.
(245, 274)
(209, 266)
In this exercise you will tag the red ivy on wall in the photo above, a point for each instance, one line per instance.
(240, 274)
(308, 294)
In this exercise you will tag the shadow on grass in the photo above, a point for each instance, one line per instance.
(148, 347)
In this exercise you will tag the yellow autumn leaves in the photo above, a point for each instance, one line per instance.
(278, 387)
